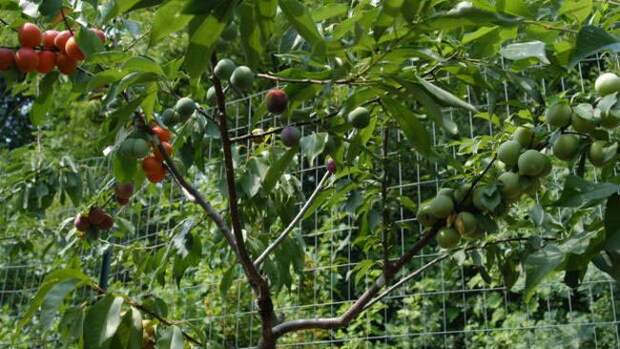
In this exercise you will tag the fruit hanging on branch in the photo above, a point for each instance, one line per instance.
(29, 35)
(224, 69)
(290, 136)
(558, 115)
(185, 107)
(607, 83)
(242, 78)
(359, 117)
(566, 147)
(276, 101)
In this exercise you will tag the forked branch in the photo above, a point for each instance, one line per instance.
(293, 223)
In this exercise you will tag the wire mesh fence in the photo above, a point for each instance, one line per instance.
(447, 306)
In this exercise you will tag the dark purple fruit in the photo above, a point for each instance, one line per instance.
(96, 216)
(290, 136)
(106, 223)
(81, 223)
(276, 100)
(123, 190)
(331, 166)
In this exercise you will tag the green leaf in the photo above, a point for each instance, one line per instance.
(53, 300)
(129, 333)
(298, 15)
(540, 264)
(204, 37)
(116, 8)
(124, 169)
(410, 125)
(144, 65)
(101, 322)
(612, 223)
(591, 40)
(251, 40)
(70, 326)
(168, 19)
(50, 8)
(446, 97)
(227, 280)
(47, 285)
(276, 170)
(88, 41)
(578, 10)
(313, 145)
(171, 338)
(579, 192)
(469, 16)
(524, 50)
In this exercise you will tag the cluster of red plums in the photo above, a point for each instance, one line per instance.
(43, 51)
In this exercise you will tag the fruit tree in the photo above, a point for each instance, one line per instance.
(219, 103)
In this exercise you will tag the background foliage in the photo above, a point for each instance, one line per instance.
(502, 62)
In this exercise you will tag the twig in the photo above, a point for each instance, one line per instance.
(293, 223)
(549, 26)
(348, 81)
(384, 185)
(64, 19)
(354, 310)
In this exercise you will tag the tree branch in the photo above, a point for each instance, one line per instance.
(359, 305)
(258, 283)
(293, 223)
(348, 81)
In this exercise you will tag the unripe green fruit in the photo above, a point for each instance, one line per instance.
(169, 117)
(449, 192)
(461, 193)
(558, 115)
(224, 69)
(242, 78)
(529, 185)
(524, 136)
(532, 163)
(448, 238)
(510, 185)
(359, 117)
(140, 148)
(548, 167)
(607, 83)
(290, 136)
(441, 206)
(466, 224)
(185, 107)
(508, 153)
(610, 119)
(566, 147)
(581, 124)
(425, 217)
(126, 148)
(596, 154)
(211, 96)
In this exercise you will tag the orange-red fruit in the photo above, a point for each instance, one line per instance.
(47, 61)
(48, 38)
(106, 223)
(7, 58)
(27, 59)
(66, 64)
(29, 35)
(123, 190)
(167, 146)
(73, 49)
(163, 134)
(100, 34)
(156, 177)
(61, 40)
(150, 165)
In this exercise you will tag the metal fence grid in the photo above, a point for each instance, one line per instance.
(448, 306)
